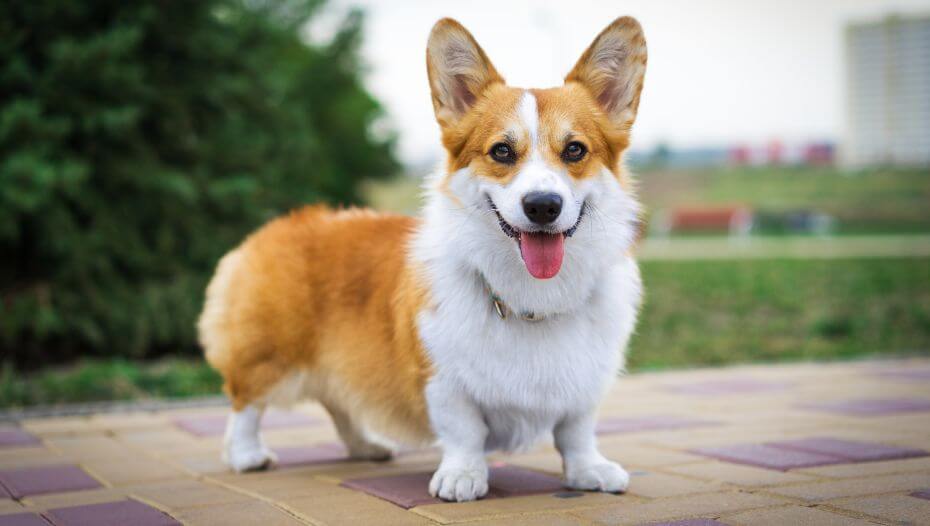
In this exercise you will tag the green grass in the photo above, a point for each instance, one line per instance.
(723, 312)
(97, 380)
(696, 313)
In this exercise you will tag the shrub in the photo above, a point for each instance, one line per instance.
(141, 140)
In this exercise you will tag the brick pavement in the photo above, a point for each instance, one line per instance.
(789, 444)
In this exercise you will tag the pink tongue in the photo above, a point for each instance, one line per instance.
(542, 253)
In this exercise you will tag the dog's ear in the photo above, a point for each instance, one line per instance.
(458, 70)
(612, 69)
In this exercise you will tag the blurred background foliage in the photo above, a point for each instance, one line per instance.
(140, 140)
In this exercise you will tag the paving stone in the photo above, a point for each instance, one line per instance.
(89, 447)
(33, 481)
(75, 498)
(768, 456)
(872, 406)
(547, 519)
(506, 481)
(729, 386)
(28, 457)
(691, 506)
(868, 469)
(689, 522)
(505, 509)
(15, 437)
(792, 515)
(23, 519)
(215, 424)
(131, 470)
(120, 513)
(848, 449)
(652, 484)
(350, 507)
(181, 494)
(300, 456)
(900, 509)
(412, 489)
(248, 512)
(738, 474)
(8, 505)
(648, 423)
(406, 490)
(642, 456)
(835, 489)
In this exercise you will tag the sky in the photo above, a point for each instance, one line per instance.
(720, 72)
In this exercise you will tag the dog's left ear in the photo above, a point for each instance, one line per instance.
(612, 69)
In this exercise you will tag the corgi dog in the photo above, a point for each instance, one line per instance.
(497, 319)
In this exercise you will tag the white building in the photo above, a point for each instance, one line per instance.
(888, 92)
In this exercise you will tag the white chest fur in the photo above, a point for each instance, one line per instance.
(520, 377)
(526, 376)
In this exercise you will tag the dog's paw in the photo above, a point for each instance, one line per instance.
(459, 485)
(604, 476)
(242, 459)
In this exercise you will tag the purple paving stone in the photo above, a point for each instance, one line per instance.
(648, 423)
(729, 386)
(767, 456)
(689, 522)
(47, 479)
(111, 514)
(922, 494)
(412, 489)
(407, 491)
(15, 437)
(511, 481)
(23, 519)
(302, 456)
(849, 450)
(872, 406)
(213, 425)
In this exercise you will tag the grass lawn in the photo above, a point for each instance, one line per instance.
(696, 313)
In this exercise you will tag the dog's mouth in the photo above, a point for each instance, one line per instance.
(542, 251)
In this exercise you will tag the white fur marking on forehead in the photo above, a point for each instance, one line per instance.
(529, 115)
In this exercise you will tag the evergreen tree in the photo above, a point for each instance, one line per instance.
(139, 141)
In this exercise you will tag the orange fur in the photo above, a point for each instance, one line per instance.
(328, 293)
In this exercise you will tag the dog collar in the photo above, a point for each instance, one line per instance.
(502, 309)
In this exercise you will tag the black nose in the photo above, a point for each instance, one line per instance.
(542, 207)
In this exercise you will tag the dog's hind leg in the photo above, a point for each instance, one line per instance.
(360, 448)
(243, 449)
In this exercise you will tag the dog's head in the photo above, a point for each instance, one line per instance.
(541, 162)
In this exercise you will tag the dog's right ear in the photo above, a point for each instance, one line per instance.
(458, 70)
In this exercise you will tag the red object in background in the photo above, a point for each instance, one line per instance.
(733, 219)
(775, 152)
(740, 155)
(818, 154)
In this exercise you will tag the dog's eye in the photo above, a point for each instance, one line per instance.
(573, 152)
(503, 153)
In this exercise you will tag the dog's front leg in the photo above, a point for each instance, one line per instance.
(584, 466)
(457, 422)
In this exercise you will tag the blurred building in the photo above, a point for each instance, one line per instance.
(888, 92)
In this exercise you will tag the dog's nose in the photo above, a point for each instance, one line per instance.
(542, 208)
